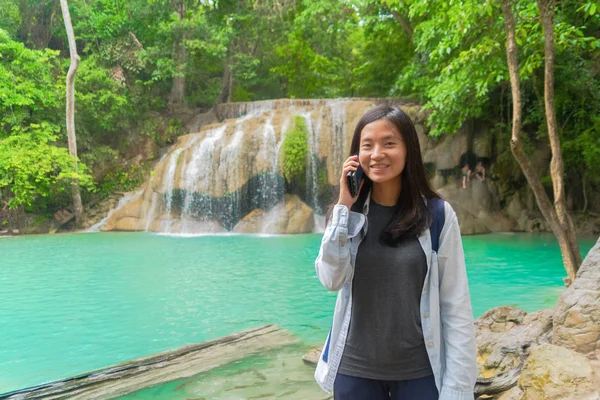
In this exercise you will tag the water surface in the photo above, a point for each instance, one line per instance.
(78, 302)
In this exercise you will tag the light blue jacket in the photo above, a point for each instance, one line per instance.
(446, 314)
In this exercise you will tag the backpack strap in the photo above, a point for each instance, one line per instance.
(436, 209)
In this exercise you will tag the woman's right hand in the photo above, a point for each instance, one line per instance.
(346, 198)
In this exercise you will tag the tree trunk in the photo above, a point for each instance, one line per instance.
(77, 206)
(404, 23)
(583, 184)
(557, 172)
(226, 83)
(178, 89)
(176, 99)
(529, 171)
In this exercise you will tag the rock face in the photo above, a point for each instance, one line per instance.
(504, 337)
(127, 218)
(477, 207)
(554, 372)
(290, 216)
(577, 315)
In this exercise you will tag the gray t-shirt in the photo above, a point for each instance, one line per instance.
(385, 339)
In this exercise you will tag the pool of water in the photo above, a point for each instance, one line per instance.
(73, 303)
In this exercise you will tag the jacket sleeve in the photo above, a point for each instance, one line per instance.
(458, 330)
(333, 263)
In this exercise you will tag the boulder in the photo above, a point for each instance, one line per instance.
(554, 372)
(504, 336)
(124, 224)
(312, 357)
(577, 313)
(290, 216)
(252, 222)
(126, 218)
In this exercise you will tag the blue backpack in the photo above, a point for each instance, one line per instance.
(436, 208)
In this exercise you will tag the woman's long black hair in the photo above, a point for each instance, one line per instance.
(411, 217)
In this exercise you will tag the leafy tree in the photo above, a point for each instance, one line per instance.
(33, 169)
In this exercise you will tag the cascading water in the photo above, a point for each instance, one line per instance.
(211, 181)
(338, 117)
(272, 189)
(168, 186)
(199, 177)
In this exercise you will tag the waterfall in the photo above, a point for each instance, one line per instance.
(312, 178)
(229, 168)
(338, 117)
(199, 175)
(168, 186)
(212, 180)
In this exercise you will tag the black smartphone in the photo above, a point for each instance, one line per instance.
(353, 179)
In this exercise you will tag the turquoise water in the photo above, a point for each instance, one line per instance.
(73, 303)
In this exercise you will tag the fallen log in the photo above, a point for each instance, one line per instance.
(145, 372)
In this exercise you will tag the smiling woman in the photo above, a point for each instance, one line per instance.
(403, 324)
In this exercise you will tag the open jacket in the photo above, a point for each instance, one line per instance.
(446, 314)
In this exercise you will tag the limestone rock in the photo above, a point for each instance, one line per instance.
(445, 152)
(127, 218)
(298, 218)
(290, 216)
(504, 335)
(251, 223)
(554, 372)
(476, 207)
(61, 217)
(513, 394)
(40, 226)
(577, 314)
(124, 224)
(312, 357)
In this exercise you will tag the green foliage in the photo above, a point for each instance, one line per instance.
(29, 90)
(99, 157)
(32, 168)
(122, 179)
(462, 59)
(103, 104)
(10, 19)
(295, 151)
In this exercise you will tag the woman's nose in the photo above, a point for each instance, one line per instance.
(376, 153)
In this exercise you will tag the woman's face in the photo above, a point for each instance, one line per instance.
(382, 152)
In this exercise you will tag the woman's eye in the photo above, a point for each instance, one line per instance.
(366, 146)
(390, 143)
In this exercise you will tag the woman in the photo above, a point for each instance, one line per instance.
(403, 325)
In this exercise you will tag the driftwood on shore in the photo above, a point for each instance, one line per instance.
(131, 376)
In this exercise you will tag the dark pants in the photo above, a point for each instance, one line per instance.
(352, 388)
